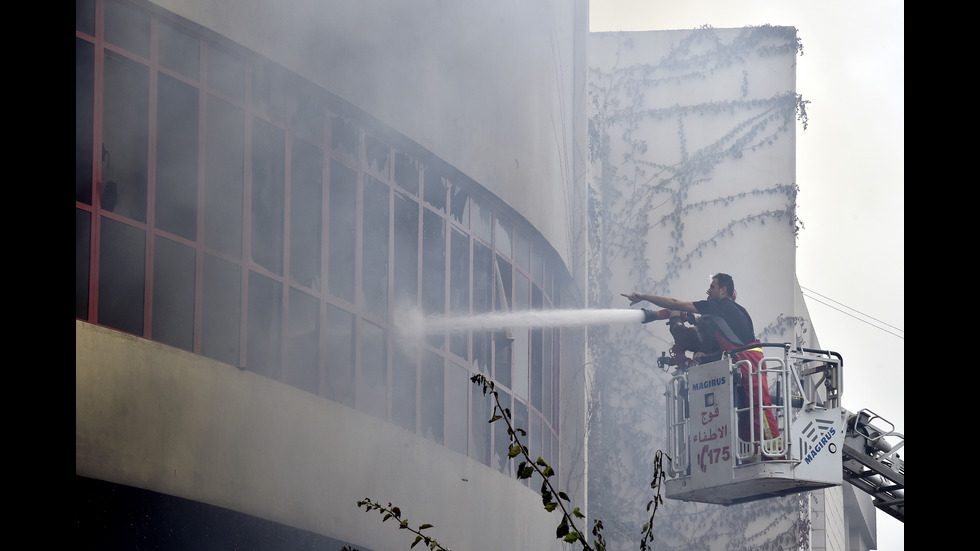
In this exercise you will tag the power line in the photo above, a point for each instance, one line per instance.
(852, 315)
(853, 309)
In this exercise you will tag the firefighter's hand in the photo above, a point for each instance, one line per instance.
(634, 297)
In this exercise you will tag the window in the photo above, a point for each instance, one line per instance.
(282, 232)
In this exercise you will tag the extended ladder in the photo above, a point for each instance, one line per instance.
(871, 461)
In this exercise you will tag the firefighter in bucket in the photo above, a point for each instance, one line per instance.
(721, 325)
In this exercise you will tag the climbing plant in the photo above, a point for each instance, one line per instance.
(553, 498)
(672, 115)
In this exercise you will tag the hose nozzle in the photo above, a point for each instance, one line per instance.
(649, 315)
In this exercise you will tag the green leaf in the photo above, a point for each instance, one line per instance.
(424, 526)
(495, 418)
(563, 495)
(417, 540)
(572, 538)
(551, 506)
(562, 530)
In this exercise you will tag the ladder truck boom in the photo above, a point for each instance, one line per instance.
(871, 462)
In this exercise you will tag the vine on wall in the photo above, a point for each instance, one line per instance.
(651, 193)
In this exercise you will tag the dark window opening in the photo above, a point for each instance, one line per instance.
(176, 163)
(121, 276)
(342, 243)
(125, 127)
(174, 268)
(268, 195)
(305, 214)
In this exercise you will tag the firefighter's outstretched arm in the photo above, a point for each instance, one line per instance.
(663, 302)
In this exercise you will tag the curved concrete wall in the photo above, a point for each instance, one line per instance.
(493, 88)
(154, 417)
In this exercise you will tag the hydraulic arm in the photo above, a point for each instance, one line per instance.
(871, 461)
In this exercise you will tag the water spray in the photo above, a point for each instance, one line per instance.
(414, 324)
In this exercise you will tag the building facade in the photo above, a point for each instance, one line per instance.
(267, 191)
(262, 190)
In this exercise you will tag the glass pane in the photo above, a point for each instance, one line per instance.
(459, 287)
(483, 283)
(226, 73)
(340, 355)
(501, 440)
(435, 190)
(374, 256)
(122, 252)
(537, 266)
(269, 85)
(372, 387)
(343, 136)
(268, 194)
(406, 237)
(522, 251)
(307, 112)
(343, 210)
(549, 368)
(502, 234)
(459, 200)
(179, 51)
(225, 177)
(553, 455)
(303, 336)
(84, 119)
(128, 27)
(222, 303)
(433, 396)
(377, 154)
(407, 173)
(457, 407)
(83, 259)
(480, 428)
(173, 293)
(404, 387)
(481, 222)
(433, 268)
(433, 263)
(503, 339)
(177, 149)
(537, 336)
(305, 214)
(264, 325)
(125, 134)
(521, 337)
(85, 16)
(534, 445)
(521, 421)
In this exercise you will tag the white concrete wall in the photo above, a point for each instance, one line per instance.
(692, 170)
(158, 418)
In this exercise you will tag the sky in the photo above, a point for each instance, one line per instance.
(851, 174)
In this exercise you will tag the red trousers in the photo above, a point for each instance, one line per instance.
(758, 385)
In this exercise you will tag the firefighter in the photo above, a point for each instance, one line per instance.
(729, 325)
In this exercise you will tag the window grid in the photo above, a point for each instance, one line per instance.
(300, 314)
